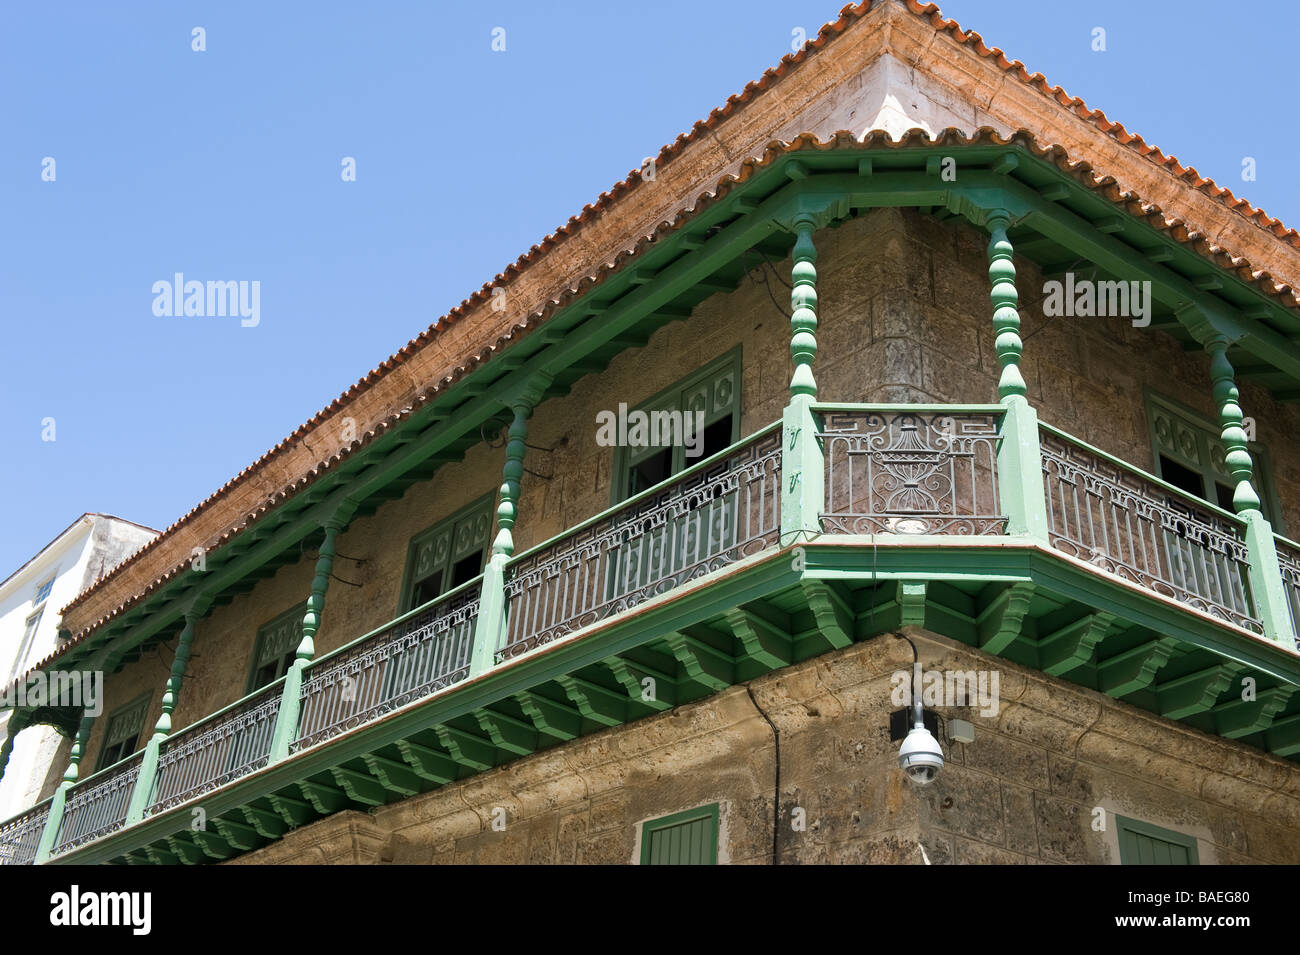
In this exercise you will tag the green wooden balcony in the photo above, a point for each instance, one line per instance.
(1119, 581)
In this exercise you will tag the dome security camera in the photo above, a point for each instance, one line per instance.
(920, 756)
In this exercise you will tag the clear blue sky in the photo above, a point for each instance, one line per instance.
(225, 164)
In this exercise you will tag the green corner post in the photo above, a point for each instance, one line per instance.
(803, 469)
(1266, 584)
(17, 723)
(1020, 461)
(142, 793)
(54, 821)
(490, 626)
(286, 720)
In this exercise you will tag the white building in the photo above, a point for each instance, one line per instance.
(30, 600)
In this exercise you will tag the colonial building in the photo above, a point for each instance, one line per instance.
(969, 363)
(35, 753)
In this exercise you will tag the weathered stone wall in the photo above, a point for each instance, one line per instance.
(1024, 791)
(904, 317)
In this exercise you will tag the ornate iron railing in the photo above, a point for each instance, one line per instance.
(409, 659)
(911, 472)
(97, 806)
(216, 751)
(717, 512)
(20, 835)
(1288, 559)
(1134, 526)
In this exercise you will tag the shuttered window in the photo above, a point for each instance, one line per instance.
(709, 396)
(450, 553)
(686, 838)
(277, 646)
(1189, 454)
(1141, 843)
(122, 732)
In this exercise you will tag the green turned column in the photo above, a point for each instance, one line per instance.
(55, 818)
(490, 627)
(803, 470)
(17, 723)
(1265, 575)
(286, 721)
(143, 790)
(1020, 463)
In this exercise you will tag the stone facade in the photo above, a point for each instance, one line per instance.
(1027, 790)
(904, 317)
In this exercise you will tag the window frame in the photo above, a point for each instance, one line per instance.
(44, 589)
(31, 626)
(142, 701)
(1209, 433)
(709, 812)
(299, 611)
(623, 457)
(485, 503)
(1139, 828)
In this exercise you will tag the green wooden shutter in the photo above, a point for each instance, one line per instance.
(687, 838)
(1141, 843)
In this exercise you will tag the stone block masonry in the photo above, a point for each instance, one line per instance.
(1027, 790)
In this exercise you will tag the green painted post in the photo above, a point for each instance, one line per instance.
(286, 720)
(55, 819)
(803, 469)
(490, 626)
(17, 723)
(143, 790)
(1266, 584)
(1020, 460)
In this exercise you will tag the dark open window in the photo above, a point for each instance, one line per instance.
(277, 646)
(1189, 454)
(122, 732)
(450, 553)
(711, 398)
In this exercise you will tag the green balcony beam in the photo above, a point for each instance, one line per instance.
(803, 478)
(490, 626)
(17, 722)
(54, 820)
(142, 792)
(1266, 586)
(1020, 461)
(286, 720)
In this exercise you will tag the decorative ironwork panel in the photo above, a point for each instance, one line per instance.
(1132, 527)
(1288, 559)
(20, 836)
(97, 806)
(211, 754)
(895, 472)
(689, 527)
(406, 662)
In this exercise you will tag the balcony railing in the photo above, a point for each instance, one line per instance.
(1288, 559)
(1132, 525)
(909, 471)
(711, 515)
(20, 836)
(413, 657)
(208, 755)
(97, 806)
(888, 470)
